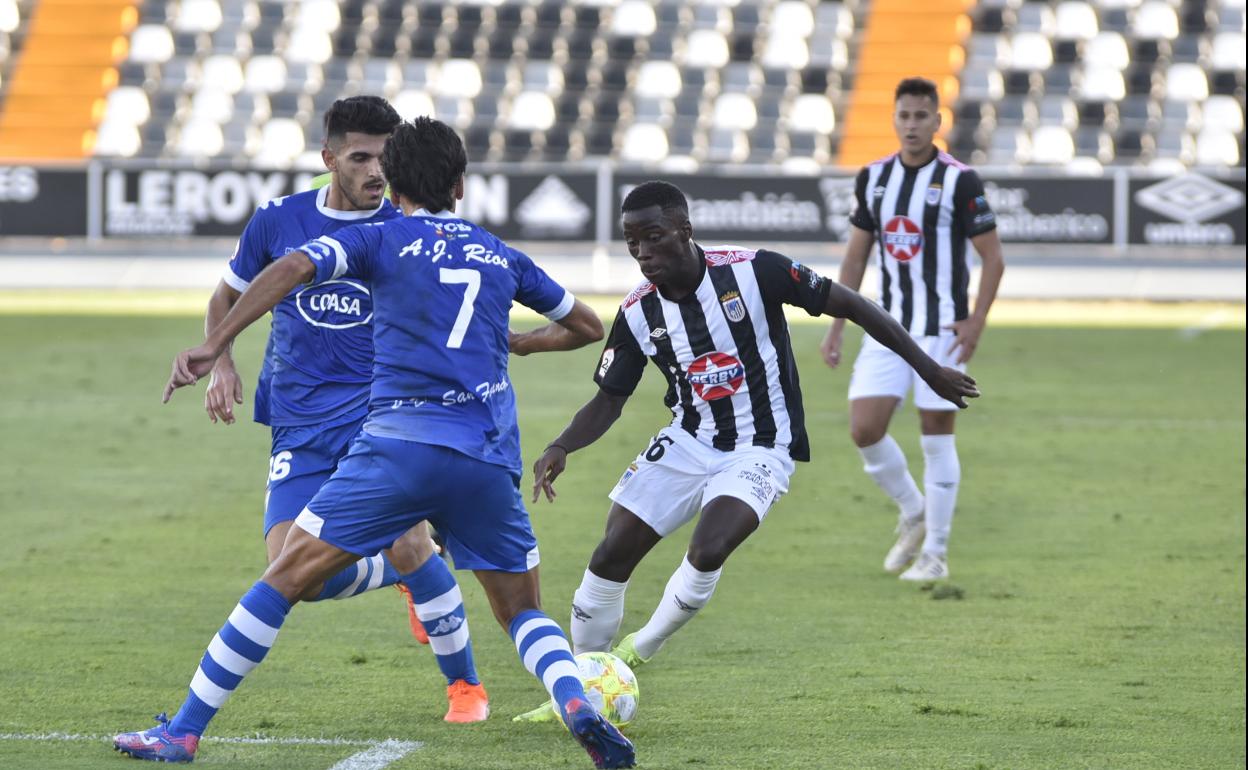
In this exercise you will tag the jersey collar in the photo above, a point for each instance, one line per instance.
(443, 214)
(349, 216)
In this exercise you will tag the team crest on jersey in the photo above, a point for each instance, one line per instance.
(933, 194)
(335, 304)
(715, 375)
(733, 305)
(903, 239)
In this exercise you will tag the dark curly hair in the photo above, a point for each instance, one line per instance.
(423, 160)
(917, 87)
(362, 114)
(665, 195)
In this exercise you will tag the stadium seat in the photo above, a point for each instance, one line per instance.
(1215, 147)
(532, 111)
(1223, 113)
(459, 78)
(281, 141)
(1228, 51)
(1155, 19)
(706, 48)
(982, 84)
(117, 139)
(202, 139)
(151, 44)
(644, 143)
(1030, 51)
(198, 16)
(1057, 109)
(1075, 20)
(309, 45)
(212, 105)
(1186, 82)
(10, 17)
(127, 104)
(812, 113)
(1036, 17)
(659, 79)
(264, 74)
(1107, 49)
(1102, 84)
(1052, 145)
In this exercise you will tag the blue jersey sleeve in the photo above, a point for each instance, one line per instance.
(351, 250)
(538, 291)
(254, 251)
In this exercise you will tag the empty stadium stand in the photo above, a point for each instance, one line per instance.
(800, 84)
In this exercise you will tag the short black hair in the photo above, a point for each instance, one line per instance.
(423, 160)
(665, 195)
(362, 114)
(917, 87)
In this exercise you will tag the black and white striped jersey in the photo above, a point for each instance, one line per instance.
(724, 349)
(922, 219)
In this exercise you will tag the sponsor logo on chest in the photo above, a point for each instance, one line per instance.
(903, 239)
(715, 375)
(338, 304)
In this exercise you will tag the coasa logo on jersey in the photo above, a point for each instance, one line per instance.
(903, 239)
(733, 305)
(335, 305)
(715, 375)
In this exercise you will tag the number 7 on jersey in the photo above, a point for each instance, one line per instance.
(473, 281)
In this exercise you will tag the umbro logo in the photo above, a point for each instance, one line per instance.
(683, 606)
(946, 484)
(447, 625)
(658, 333)
(581, 614)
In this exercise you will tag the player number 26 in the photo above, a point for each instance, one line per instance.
(656, 450)
(279, 466)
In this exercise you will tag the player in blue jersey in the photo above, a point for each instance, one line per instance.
(440, 443)
(313, 386)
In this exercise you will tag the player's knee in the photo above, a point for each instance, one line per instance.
(708, 557)
(866, 435)
(612, 560)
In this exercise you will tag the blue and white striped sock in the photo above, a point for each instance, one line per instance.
(365, 575)
(440, 607)
(545, 653)
(237, 648)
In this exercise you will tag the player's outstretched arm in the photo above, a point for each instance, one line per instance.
(587, 426)
(949, 383)
(853, 267)
(261, 296)
(578, 328)
(225, 388)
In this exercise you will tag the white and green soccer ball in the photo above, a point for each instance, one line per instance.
(610, 685)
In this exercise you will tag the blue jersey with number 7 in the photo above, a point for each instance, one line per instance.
(442, 294)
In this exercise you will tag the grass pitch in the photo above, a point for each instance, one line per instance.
(1095, 619)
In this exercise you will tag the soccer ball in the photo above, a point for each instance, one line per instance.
(610, 685)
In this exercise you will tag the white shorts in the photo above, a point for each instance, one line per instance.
(676, 475)
(879, 372)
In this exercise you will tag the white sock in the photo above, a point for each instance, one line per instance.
(886, 463)
(687, 592)
(941, 477)
(597, 609)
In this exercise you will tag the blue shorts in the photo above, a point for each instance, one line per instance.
(385, 486)
(303, 458)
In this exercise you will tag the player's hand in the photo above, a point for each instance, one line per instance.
(966, 337)
(830, 348)
(513, 338)
(954, 386)
(188, 367)
(225, 389)
(546, 470)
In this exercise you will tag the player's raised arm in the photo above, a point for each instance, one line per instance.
(949, 383)
(580, 327)
(587, 426)
(261, 296)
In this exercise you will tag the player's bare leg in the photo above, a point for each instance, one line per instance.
(725, 523)
(884, 462)
(941, 477)
(544, 651)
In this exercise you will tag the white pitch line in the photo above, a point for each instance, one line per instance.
(1209, 322)
(377, 754)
